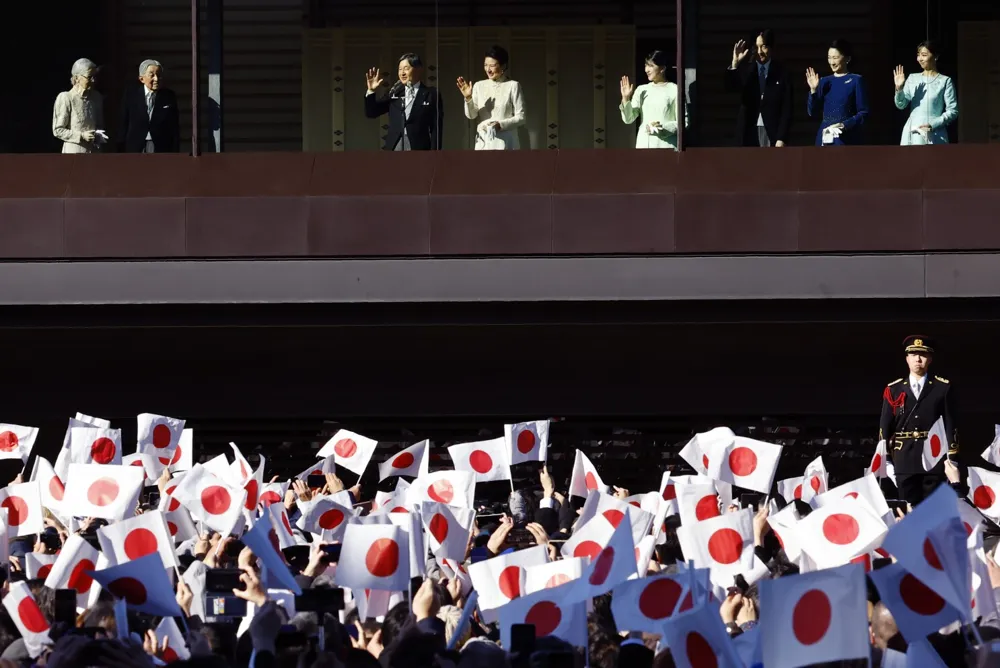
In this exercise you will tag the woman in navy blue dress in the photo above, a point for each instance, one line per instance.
(840, 99)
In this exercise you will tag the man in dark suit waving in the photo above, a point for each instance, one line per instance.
(765, 94)
(150, 120)
(415, 110)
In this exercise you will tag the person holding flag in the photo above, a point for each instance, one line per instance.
(910, 408)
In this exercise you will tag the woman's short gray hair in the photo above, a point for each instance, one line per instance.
(82, 66)
(146, 64)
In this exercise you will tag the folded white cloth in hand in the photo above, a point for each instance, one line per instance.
(830, 133)
(488, 134)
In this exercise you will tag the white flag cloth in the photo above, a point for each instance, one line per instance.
(253, 486)
(552, 574)
(697, 501)
(917, 610)
(984, 490)
(353, 451)
(790, 489)
(94, 445)
(588, 540)
(272, 492)
(321, 467)
(70, 569)
(151, 469)
(413, 461)
(455, 488)
(143, 584)
(879, 463)
(28, 617)
(326, 518)
(695, 452)
(50, 486)
(815, 479)
(412, 526)
(921, 654)
(814, 618)
(501, 579)
(935, 445)
(991, 453)
(783, 525)
(167, 502)
(841, 530)
(723, 544)
(527, 441)
(240, 470)
(553, 612)
(614, 511)
(158, 436)
(374, 557)
(643, 604)
(16, 441)
(23, 503)
(177, 649)
(281, 526)
(614, 564)
(179, 524)
(866, 488)
(183, 457)
(487, 460)
(81, 420)
(585, 478)
(984, 603)
(136, 537)
(38, 565)
(668, 492)
(448, 528)
(263, 542)
(971, 518)
(698, 638)
(211, 500)
(744, 462)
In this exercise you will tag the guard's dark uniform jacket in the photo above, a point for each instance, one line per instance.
(906, 420)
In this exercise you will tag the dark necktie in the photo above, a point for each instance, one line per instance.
(762, 78)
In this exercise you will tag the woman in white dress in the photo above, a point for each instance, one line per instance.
(930, 96)
(496, 103)
(654, 104)
(79, 112)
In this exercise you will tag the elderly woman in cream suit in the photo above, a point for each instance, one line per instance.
(931, 98)
(497, 103)
(79, 112)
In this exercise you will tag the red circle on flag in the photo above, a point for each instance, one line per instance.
(177, 455)
(44, 571)
(707, 506)
(556, 580)
(287, 525)
(545, 616)
(130, 589)
(8, 441)
(509, 582)
(811, 617)
(216, 499)
(635, 504)
(865, 560)
(78, 579)
(725, 546)
(169, 655)
(438, 527)
(275, 543)
(614, 516)
(139, 543)
(161, 436)
(102, 451)
(587, 548)
(605, 560)
(590, 480)
(815, 483)
(699, 651)
(17, 510)
(331, 519)
(346, 448)
(252, 488)
(983, 497)
(399, 509)
(742, 461)
(103, 491)
(525, 441)
(841, 529)
(935, 445)
(669, 493)
(56, 488)
(968, 529)
(31, 616)
(382, 558)
(172, 528)
(659, 598)
(930, 555)
(704, 461)
(851, 495)
(918, 597)
(876, 462)
(403, 460)
(269, 497)
(480, 461)
(798, 492)
(441, 491)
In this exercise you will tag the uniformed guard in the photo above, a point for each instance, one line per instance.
(910, 407)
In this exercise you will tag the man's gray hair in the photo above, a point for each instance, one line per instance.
(146, 64)
(82, 66)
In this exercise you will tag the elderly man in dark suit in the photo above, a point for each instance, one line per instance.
(765, 93)
(415, 110)
(150, 119)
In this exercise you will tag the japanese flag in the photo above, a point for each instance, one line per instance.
(219, 467)
(992, 453)
(374, 557)
(273, 492)
(841, 530)
(180, 526)
(745, 462)
(455, 488)
(70, 569)
(935, 445)
(696, 451)
(253, 486)
(643, 604)
(588, 541)
(972, 519)
(501, 579)
(552, 574)
(984, 603)
(814, 480)
(411, 525)
(150, 468)
(723, 544)
(878, 466)
(177, 649)
(282, 527)
(454, 569)
(94, 445)
(553, 612)
(50, 486)
(413, 461)
(263, 542)
(487, 460)
(159, 436)
(38, 564)
(984, 489)
(867, 488)
(167, 502)
(326, 518)
(136, 537)
(697, 501)
(790, 489)
(668, 492)
(28, 617)
(698, 638)
(321, 467)
(614, 564)
(23, 504)
(353, 451)
(585, 478)
(143, 584)
(210, 500)
(814, 618)
(916, 608)
(240, 470)
(527, 441)
(16, 441)
(449, 528)
(182, 459)
(615, 510)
